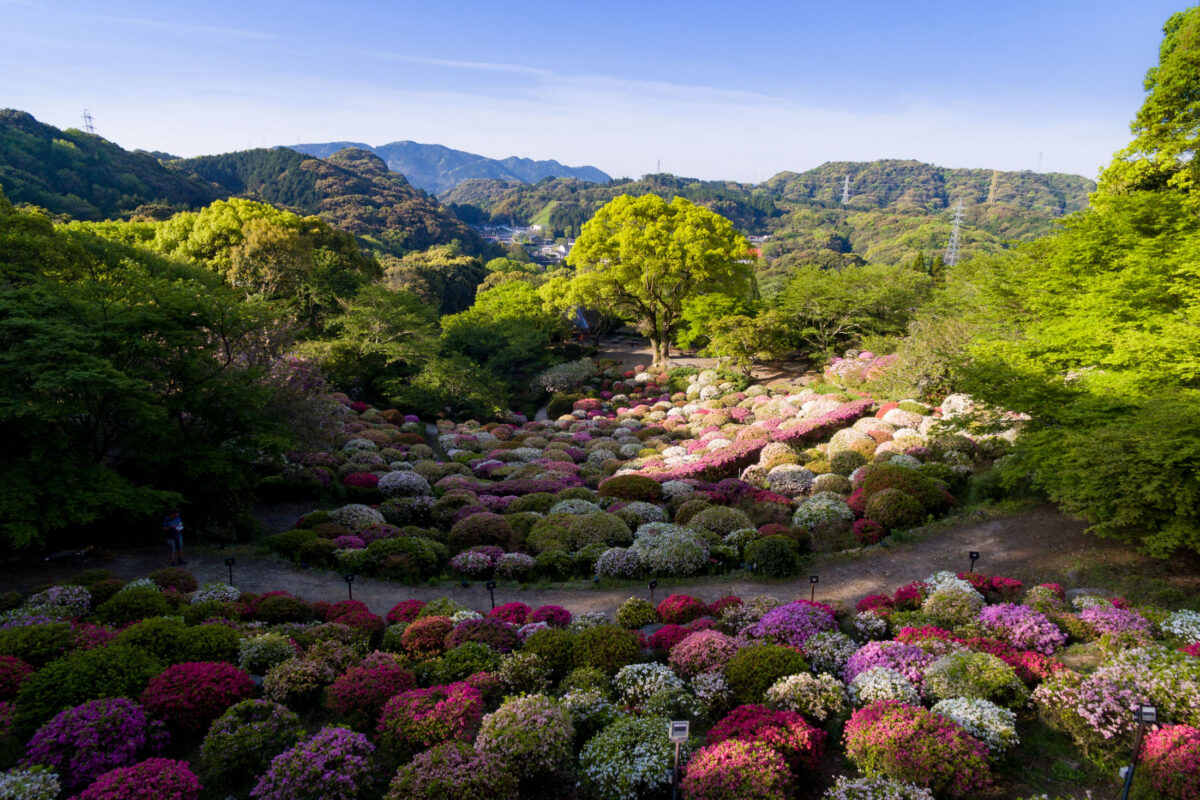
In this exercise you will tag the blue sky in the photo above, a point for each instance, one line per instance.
(713, 90)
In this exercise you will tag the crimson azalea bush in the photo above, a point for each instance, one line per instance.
(737, 769)
(666, 637)
(422, 718)
(1171, 761)
(912, 744)
(333, 765)
(188, 697)
(515, 613)
(554, 616)
(13, 672)
(786, 732)
(158, 778)
(361, 691)
(405, 611)
(426, 637)
(495, 633)
(83, 742)
(680, 609)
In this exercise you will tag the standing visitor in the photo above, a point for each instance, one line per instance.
(173, 528)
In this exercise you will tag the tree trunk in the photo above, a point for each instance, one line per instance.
(661, 348)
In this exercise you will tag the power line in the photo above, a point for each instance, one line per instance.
(87, 121)
(952, 248)
(846, 190)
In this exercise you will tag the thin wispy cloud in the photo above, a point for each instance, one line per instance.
(187, 28)
(451, 63)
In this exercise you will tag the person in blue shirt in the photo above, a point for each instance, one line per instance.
(173, 529)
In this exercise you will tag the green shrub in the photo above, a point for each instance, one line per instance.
(161, 637)
(773, 557)
(576, 493)
(112, 671)
(537, 501)
(458, 663)
(632, 487)
(446, 506)
(549, 533)
(753, 669)
(312, 519)
(174, 578)
(598, 527)
(586, 679)
(894, 509)
(195, 613)
(284, 608)
(288, 543)
(977, 675)
(721, 520)
(554, 564)
(317, 553)
(480, 529)
(636, 612)
(607, 648)
(846, 461)
(407, 558)
(877, 477)
(555, 647)
(241, 742)
(585, 559)
(38, 644)
(131, 605)
(690, 508)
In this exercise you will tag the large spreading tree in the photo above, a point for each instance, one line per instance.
(641, 258)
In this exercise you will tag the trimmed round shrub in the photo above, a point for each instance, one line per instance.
(241, 742)
(632, 488)
(404, 611)
(606, 648)
(188, 697)
(636, 612)
(175, 578)
(818, 698)
(952, 606)
(978, 675)
(721, 520)
(844, 462)
(492, 632)
(912, 744)
(157, 778)
(531, 736)
(426, 637)
(131, 605)
(297, 682)
(453, 770)
(479, 529)
(282, 607)
(112, 671)
(555, 648)
(785, 732)
(84, 742)
(894, 509)
(753, 670)
(793, 623)
(628, 760)
(702, 651)
(554, 616)
(421, 718)
(598, 527)
(882, 683)
(514, 613)
(38, 645)
(1171, 761)
(459, 663)
(259, 653)
(996, 727)
(335, 764)
(680, 609)
(773, 557)
(736, 769)
(360, 693)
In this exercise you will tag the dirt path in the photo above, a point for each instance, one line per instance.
(1037, 545)
(631, 350)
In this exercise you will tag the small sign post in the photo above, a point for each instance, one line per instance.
(229, 563)
(653, 586)
(491, 587)
(813, 580)
(677, 732)
(349, 579)
(974, 556)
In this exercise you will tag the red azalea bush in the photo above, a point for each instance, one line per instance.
(361, 480)
(874, 602)
(737, 770)
(785, 732)
(158, 778)
(915, 745)
(680, 609)
(1191, 650)
(361, 691)
(909, 596)
(1171, 761)
(426, 638)
(491, 631)
(717, 606)
(516, 613)
(13, 672)
(868, 531)
(422, 718)
(554, 616)
(1031, 667)
(189, 696)
(360, 619)
(405, 611)
(667, 637)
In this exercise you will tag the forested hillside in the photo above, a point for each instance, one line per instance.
(436, 168)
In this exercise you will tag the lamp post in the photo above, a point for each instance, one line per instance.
(813, 580)
(974, 556)
(1145, 716)
(653, 586)
(677, 732)
(229, 562)
(491, 587)
(349, 579)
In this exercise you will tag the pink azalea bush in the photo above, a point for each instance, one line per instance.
(1023, 627)
(801, 745)
(912, 744)
(158, 778)
(188, 697)
(680, 609)
(361, 692)
(554, 616)
(736, 769)
(702, 651)
(1171, 761)
(422, 718)
(907, 659)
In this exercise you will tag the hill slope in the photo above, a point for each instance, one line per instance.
(436, 168)
(84, 175)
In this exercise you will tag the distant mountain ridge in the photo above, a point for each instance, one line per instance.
(436, 168)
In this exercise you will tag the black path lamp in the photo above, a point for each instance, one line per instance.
(974, 556)
(813, 580)
(229, 562)
(1144, 716)
(349, 579)
(653, 586)
(491, 587)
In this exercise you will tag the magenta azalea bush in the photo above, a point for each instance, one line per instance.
(83, 742)
(702, 651)
(737, 769)
(188, 697)
(422, 718)
(333, 765)
(1022, 627)
(907, 659)
(793, 624)
(158, 778)
(1171, 761)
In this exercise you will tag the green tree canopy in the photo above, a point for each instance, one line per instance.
(641, 258)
